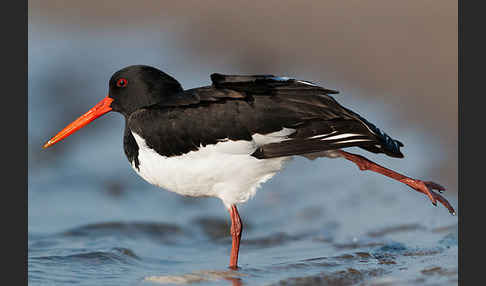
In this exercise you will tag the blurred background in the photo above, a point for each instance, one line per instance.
(394, 62)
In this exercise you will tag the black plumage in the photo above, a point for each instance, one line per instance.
(236, 107)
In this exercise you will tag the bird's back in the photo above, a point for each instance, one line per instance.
(238, 107)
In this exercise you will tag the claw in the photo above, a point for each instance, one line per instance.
(434, 186)
(445, 203)
(427, 188)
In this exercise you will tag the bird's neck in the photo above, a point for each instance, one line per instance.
(130, 146)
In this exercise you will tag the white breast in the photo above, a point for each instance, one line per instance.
(225, 170)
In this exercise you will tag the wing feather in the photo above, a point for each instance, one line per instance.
(236, 107)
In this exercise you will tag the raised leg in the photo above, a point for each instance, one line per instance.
(236, 229)
(424, 187)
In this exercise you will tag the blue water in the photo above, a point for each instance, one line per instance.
(93, 221)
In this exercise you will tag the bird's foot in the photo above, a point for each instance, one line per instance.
(427, 188)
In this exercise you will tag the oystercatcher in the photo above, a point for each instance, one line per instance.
(226, 139)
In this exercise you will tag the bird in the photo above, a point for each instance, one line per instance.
(226, 139)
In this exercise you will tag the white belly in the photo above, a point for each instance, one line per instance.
(225, 170)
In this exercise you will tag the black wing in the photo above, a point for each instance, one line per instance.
(237, 107)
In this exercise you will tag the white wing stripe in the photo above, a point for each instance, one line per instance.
(335, 137)
(307, 82)
(356, 140)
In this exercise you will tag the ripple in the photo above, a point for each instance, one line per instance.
(422, 252)
(350, 276)
(395, 229)
(275, 239)
(320, 262)
(448, 228)
(157, 231)
(118, 255)
(362, 242)
(439, 271)
(392, 247)
(449, 240)
(197, 277)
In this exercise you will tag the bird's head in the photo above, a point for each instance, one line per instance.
(130, 89)
(137, 86)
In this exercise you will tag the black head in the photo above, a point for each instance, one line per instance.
(131, 88)
(137, 86)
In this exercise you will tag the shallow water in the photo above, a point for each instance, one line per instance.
(307, 226)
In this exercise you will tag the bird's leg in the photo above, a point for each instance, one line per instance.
(236, 229)
(424, 187)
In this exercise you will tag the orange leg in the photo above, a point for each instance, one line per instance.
(424, 187)
(236, 229)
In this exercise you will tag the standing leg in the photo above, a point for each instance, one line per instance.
(236, 229)
(418, 185)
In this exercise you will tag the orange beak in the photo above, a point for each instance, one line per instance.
(99, 109)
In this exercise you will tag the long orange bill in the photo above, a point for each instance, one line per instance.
(99, 109)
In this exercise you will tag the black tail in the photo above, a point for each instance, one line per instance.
(388, 145)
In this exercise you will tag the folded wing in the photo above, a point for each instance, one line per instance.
(237, 107)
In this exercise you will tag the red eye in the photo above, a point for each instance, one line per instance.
(121, 82)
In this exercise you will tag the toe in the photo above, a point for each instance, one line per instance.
(434, 186)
